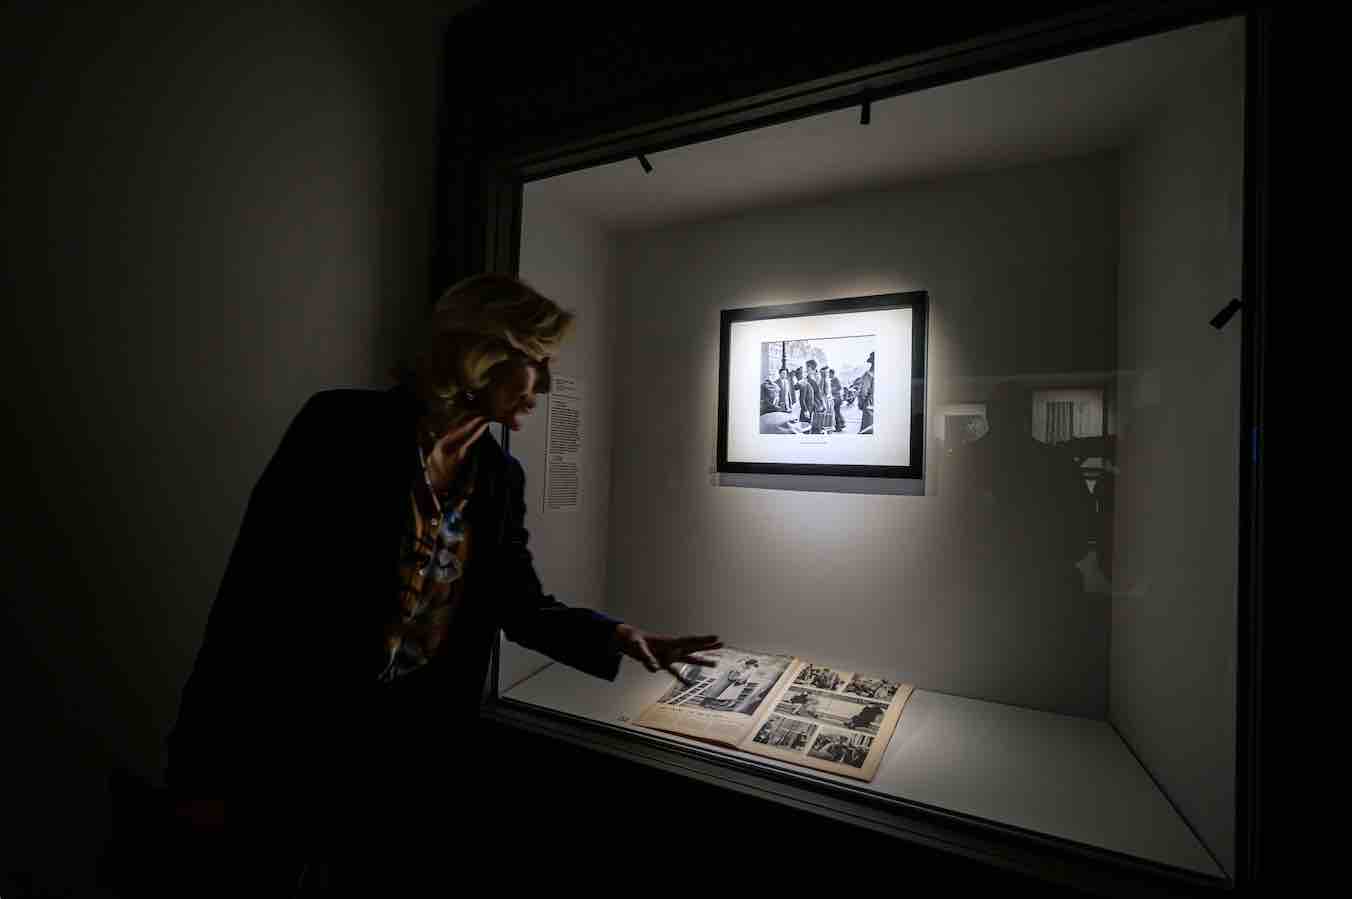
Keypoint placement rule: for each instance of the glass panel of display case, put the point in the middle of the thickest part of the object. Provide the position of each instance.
(1059, 600)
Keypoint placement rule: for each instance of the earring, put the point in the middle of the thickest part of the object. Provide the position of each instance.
(469, 395)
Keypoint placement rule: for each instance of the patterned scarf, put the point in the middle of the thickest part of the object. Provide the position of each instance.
(434, 553)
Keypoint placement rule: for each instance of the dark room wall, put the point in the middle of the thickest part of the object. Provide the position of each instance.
(210, 214)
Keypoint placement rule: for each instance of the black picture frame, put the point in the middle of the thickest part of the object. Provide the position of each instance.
(915, 300)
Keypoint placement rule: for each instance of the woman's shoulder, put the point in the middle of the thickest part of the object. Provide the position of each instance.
(362, 402)
(363, 415)
(345, 398)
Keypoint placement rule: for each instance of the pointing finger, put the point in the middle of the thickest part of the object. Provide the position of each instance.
(649, 660)
(690, 643)
(472, 425)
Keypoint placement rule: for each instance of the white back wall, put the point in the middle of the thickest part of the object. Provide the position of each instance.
(1172, 692)
(953, 591)
(571, 262)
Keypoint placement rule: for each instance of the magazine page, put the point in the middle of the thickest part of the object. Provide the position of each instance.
(829, 719)
(724, 702)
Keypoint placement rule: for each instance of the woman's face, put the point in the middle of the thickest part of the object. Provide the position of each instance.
(510, 395)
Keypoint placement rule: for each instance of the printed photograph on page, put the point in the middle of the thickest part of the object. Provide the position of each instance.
(721, 701)
(832, 720)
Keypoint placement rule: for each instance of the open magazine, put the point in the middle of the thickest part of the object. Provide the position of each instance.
(785, 708)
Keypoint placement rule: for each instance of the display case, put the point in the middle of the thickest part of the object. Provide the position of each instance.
(1063, 576)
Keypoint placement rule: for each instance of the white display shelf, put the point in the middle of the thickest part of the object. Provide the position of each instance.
(1059, 775)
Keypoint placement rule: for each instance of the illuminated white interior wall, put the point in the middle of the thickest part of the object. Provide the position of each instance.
(571, 262)
(1021, 269)
(1172, 687)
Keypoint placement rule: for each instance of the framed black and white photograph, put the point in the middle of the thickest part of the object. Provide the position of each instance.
(830, 387)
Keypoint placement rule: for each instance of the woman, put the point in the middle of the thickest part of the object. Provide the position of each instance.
(381, 551)
(810, 396)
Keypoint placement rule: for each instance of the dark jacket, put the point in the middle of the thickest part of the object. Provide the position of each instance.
(812, 396)
(282, 714)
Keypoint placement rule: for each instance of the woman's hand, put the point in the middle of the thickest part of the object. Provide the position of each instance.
(451, 448)
(657, 652)
(455, 443)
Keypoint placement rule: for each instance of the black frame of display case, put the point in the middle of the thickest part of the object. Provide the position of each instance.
(480, 230)
(915, 300)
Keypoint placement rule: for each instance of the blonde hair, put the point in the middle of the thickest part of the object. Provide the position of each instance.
(477, 324)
